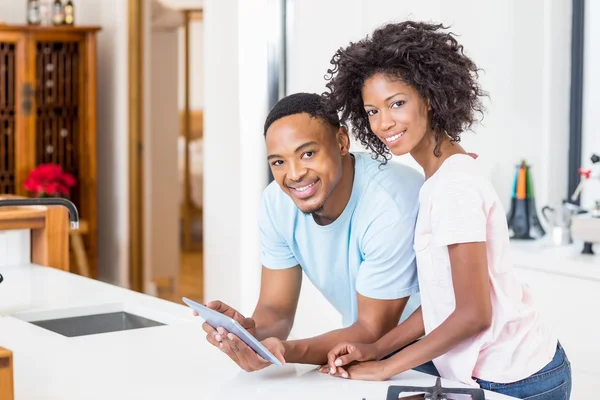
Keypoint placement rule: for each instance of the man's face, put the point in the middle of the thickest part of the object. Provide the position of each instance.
(305, 156)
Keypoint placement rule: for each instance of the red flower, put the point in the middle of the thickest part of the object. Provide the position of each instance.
(49, 180)
(68, 179)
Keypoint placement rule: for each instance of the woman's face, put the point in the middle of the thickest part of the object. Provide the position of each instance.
(398, 115)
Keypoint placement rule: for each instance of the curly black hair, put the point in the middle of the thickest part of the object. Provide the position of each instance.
(421, 55)
(298, 103)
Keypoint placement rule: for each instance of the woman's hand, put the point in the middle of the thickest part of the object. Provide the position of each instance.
(364, 371)
(369, 371)
(346, 353)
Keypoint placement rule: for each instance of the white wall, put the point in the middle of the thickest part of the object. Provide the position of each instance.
(12, 13)
(591, 99)
(113, 142)
(112, 95)
(526, 72)
(524, 48)
(235, 168)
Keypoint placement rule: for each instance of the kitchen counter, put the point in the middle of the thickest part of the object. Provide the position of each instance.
(172, 361)
(542, 256)
(566, 288)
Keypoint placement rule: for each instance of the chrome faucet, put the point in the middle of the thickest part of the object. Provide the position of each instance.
(46, 201)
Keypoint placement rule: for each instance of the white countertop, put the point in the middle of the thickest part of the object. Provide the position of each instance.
(567, 260)
(166, 362)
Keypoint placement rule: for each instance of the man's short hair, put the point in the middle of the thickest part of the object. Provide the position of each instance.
(299, 103)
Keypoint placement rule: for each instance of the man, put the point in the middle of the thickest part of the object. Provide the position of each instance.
(344, 219)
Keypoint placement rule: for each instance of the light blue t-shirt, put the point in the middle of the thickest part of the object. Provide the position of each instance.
(368, 249)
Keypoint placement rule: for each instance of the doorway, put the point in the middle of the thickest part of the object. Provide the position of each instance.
(190, 153)
(165, 119)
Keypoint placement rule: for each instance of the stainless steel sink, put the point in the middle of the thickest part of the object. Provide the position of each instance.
(94, 319)
(94, 324)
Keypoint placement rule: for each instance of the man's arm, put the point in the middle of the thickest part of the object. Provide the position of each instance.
(276, 309)
(375, 319)
(281, 277)
(386, 279)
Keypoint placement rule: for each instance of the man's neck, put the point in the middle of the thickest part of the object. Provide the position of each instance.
(339, 198)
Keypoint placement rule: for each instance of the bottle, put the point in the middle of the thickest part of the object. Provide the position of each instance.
(45, 12)
(69, 13)
(33, 12)
(58, 16)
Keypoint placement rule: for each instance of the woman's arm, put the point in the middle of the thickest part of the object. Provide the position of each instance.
(375, 318)
(346, 352)
(404, 334)
(472, 315)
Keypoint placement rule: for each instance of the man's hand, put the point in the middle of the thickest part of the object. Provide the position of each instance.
(231, 345)
(216, 338)
(247, 358)
(346, 353)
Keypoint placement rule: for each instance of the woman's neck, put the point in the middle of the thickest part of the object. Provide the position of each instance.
(423, 153)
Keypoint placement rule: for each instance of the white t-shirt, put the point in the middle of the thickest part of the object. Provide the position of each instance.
(459, 205)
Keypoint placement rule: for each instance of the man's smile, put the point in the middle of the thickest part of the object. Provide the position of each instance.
(304, 189)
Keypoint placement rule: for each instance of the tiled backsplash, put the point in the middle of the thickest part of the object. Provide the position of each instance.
(15, 247)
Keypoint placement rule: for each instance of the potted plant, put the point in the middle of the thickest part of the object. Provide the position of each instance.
(49, 180)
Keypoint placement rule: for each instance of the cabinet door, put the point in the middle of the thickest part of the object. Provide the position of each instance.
(57, 127)
(12, 103)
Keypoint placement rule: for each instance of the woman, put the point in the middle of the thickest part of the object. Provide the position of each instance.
(409, 89)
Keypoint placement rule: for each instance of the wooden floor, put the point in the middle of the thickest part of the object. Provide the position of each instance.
(191, 270)
(190, 280)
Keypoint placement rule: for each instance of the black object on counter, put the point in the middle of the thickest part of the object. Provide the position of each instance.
(436, 392)
(588, 248)
(522, 218)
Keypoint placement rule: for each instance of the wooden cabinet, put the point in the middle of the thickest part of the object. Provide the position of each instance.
(48, 112)
(6, 375)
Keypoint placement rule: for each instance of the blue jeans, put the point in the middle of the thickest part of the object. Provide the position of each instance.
(553, 382)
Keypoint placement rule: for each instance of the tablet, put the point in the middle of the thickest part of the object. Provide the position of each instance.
(216, 319)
